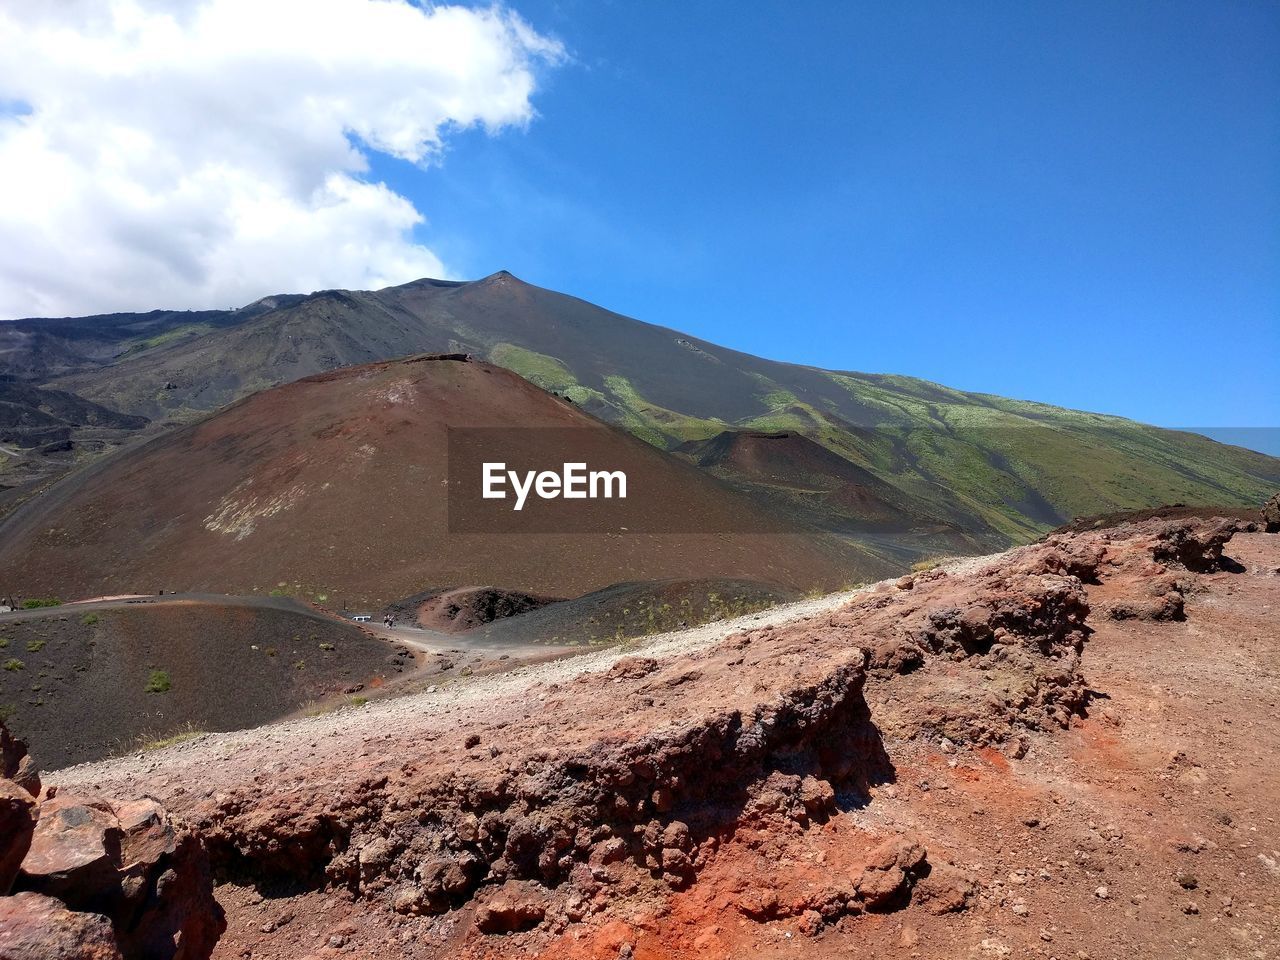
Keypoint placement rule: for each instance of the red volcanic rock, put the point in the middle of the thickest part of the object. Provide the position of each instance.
(131, 864)
(16, 764)
(35, 927)
(891, 871)
(516, 905)
(97, 880)
(1271, 514)
(73, 854)
(17, 823)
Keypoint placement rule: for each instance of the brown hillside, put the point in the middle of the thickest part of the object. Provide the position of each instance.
(789, 461)
(78, 680)
(335, 487)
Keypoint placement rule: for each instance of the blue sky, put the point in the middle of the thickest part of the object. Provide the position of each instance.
(1075, 203)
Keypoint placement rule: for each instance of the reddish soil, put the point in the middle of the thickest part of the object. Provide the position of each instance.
(336, 487)
(1070, 750)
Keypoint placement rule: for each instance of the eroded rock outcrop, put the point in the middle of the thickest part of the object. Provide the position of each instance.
(632, 779)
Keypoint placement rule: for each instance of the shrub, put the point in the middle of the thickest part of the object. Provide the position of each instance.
(89, 619)
(158, 682)
(7, 712)
(927, 564)
(13, 664)
(34, 603)
(35, 646)
(185, 733)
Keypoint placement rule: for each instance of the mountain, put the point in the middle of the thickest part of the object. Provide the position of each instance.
(338, 488)
(44, 432)
(999, 470)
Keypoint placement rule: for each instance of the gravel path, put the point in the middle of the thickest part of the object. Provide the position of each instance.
(217, 758)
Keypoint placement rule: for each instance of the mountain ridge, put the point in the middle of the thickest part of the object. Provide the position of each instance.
(1004, 470)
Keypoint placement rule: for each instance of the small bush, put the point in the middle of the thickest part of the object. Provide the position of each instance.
(158, 682)
(188, 732)
(35, 603)
(927, 564)
(300, 665)
(4, 642)
(13, 665)
(7, 712)
(326, 646)
(359, 701)
(89, 619)
(35, 646)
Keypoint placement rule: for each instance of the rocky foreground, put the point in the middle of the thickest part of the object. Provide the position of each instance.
(1068, 750)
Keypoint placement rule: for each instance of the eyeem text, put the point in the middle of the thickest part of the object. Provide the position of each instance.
(573, 482)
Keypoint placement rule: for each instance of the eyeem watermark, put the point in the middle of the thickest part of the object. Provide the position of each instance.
(592, 479)
(573, 482)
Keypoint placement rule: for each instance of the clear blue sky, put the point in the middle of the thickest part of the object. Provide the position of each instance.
(1077, 203)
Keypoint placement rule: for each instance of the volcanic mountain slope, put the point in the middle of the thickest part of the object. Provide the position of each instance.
(1003, 470)
(82, 682)
(45, 431)
(336, 487)
(1067, 750)
(799, 477)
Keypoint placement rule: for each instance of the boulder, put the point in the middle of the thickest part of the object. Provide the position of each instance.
(73, 855)
(36, 927)
(17, 823)
(516, 905)
(131, 864)
(15, 764)
(1271, 514)
(891, 870)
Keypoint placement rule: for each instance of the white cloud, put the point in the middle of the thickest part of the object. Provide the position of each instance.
(203, 153)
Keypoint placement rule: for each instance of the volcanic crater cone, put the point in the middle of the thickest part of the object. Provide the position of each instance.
(337, 487)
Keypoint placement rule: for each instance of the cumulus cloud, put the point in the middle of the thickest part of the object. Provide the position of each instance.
(204, 153)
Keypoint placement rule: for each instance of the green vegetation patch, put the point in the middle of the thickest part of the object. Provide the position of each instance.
(158, 682)
(36, 603)
(547, 372)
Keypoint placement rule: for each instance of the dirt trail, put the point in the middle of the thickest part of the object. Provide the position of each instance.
(222, 757)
